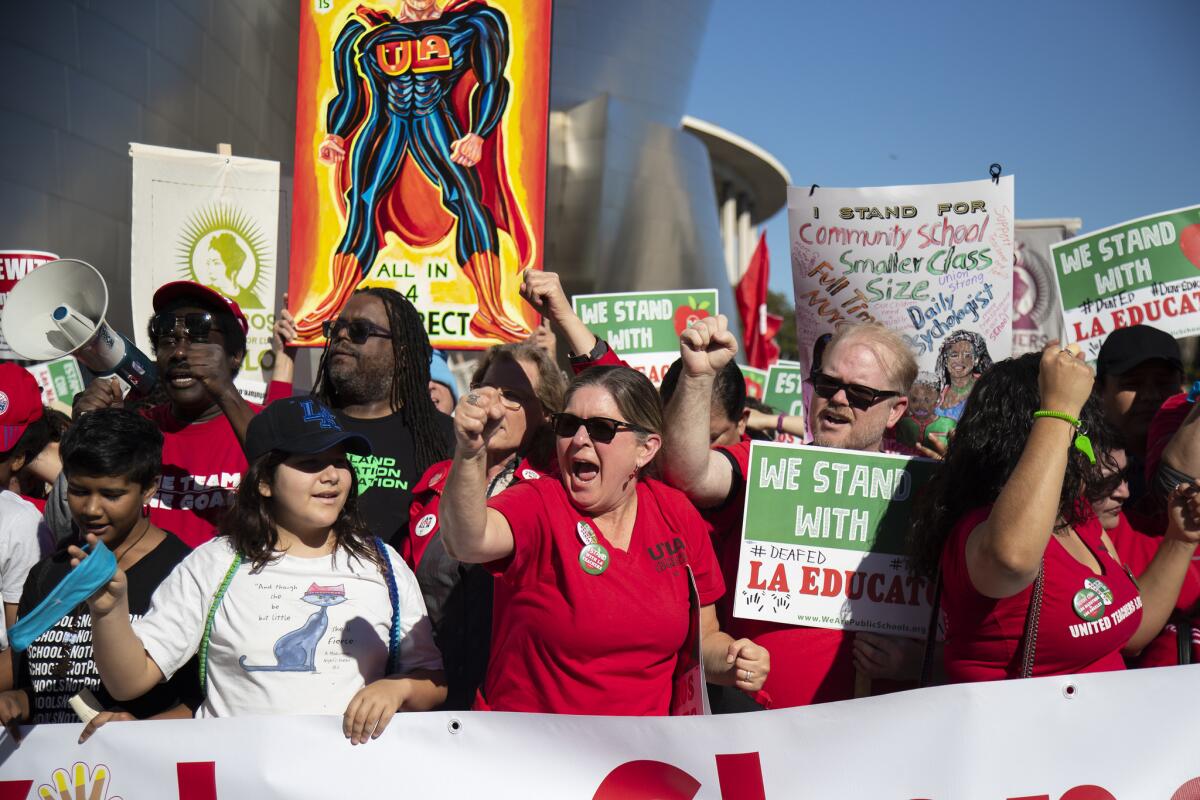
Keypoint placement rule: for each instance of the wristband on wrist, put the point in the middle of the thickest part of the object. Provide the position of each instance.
(1082, 443)
(779, 424)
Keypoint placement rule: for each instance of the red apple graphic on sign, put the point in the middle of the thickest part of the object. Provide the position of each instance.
(1189, 243)
(686, 315)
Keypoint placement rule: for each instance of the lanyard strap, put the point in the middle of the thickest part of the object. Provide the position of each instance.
(389, 575)
(208, 621)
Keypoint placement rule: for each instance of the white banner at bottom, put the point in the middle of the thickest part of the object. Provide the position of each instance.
(1116, 736)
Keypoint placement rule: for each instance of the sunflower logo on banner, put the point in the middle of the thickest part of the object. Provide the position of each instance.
(223, 248)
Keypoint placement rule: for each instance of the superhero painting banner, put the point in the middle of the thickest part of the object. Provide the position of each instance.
(644, 327)
(1146, 271)
(14, 265)
(932, 262)
(212, 219)
(823, 540)
(1035, 739)
(421, 130)
(1036, 310)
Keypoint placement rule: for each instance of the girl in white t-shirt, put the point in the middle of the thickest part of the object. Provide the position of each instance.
(296, 608)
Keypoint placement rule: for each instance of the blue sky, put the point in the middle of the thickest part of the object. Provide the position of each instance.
(1093, 106)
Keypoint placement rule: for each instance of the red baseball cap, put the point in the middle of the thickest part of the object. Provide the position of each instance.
(20, 404)
(169, 291)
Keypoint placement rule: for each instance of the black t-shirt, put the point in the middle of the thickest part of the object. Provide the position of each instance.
(58, 664)
(387, 476)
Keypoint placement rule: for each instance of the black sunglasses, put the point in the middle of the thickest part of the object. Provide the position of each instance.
(599, 429)
(358, 330)
(197, 325)
(857, 395)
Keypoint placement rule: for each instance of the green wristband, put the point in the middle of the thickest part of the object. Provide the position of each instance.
(1082, 443)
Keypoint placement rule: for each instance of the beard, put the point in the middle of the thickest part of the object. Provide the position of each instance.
(357, 381)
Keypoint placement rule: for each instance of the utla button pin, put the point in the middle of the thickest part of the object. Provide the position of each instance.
(594, 559)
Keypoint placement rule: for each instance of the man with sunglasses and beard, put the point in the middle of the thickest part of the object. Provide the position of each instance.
(199, 340)
(860, 391)
(374, 375)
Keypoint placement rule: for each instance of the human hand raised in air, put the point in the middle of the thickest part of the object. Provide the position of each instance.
(476, 417)
(706, 346)
(1064, 379)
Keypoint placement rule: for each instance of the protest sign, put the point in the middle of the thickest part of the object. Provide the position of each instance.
(1143, 271)
(60, 380)
(1034, 739)
(643, 327)
(212, 219)
(823, 540)
(927, 261)
(421, 163)
(1037, 311)
(756, 381)
(784, 389)
(14, 265)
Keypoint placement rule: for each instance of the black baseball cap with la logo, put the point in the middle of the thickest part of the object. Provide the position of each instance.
(300, 425)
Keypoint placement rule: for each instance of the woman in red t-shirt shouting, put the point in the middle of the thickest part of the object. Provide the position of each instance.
(1031, 583)
(592, 595)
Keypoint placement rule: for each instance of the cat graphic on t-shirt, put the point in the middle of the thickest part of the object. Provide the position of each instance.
(296, 650)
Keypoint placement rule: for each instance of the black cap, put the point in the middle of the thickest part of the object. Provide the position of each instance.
(297, 425)
(1127, 348)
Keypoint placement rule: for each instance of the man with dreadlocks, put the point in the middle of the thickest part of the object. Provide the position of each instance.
(374, 374)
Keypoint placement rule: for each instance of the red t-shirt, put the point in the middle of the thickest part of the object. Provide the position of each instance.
(423, 518)
(202, 467)
(1137, 550)
(983, 635)
(567, 642)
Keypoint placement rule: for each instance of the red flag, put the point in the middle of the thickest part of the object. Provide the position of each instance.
(758, 326)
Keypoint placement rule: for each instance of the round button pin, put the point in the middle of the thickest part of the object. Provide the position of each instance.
(1101, 588)
(425, 525)
(594, 559)
(1088, 605)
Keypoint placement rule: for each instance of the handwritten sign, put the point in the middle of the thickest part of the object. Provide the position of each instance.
(927, 261)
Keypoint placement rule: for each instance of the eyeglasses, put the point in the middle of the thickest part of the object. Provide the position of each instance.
(511, 398)
(599, 429)
(857, 395)
(358, 330)
(197, 326)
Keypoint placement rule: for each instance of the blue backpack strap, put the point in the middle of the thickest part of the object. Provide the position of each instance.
(389, 575)
(212, 613)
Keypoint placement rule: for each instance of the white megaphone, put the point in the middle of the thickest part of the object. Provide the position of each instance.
(58, 309)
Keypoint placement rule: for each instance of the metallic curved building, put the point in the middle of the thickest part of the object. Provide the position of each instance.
(632, 196)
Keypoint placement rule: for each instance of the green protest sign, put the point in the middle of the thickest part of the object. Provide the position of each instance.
(60, 381)
(643, 327)
(1143, 271)
(784, 389)
(823, 540)
(756, 381)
